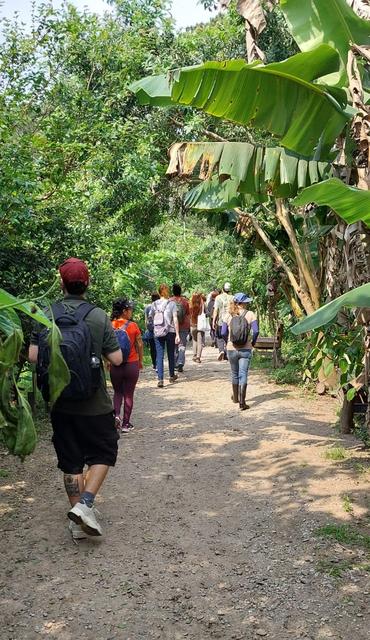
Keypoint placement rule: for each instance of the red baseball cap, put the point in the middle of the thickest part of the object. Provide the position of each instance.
(74, 270)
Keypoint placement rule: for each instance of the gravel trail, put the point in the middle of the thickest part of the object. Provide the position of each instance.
(209, 519)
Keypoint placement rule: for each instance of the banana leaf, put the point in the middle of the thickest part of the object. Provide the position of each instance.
(26, 436)
(280, 98)
(7, 302)
(212, 195)
(332, 22)
(10, 348)
(59, 375)
(9, 321)
(350, 203)
(359, 297)
(253, 169)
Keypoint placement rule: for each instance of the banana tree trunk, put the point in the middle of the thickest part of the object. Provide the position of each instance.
(367, 374)
(283, 215)
(302, 295)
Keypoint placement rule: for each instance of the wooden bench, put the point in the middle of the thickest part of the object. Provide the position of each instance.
(273, 344)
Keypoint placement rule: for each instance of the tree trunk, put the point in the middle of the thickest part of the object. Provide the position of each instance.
(346, 416)
(283, 215)
(302, 295)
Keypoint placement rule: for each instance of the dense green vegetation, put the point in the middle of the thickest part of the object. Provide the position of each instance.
(83, 163)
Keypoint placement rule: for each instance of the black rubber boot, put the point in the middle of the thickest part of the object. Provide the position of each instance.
(235, 396)
(242, 393)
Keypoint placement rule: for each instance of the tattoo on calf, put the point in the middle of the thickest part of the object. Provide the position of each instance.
(71, 485)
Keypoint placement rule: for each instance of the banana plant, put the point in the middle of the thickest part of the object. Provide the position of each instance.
(281, 97)
(359, 297)
(350, 203)
(303, 101)
(253, 169)
(17, 429)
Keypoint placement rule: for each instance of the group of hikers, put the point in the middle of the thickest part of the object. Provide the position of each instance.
(86, 427)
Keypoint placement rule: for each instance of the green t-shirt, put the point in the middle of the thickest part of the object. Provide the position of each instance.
(222, 302)
(104, 342)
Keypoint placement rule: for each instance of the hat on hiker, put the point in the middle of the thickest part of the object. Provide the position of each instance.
(242, 298)
(227, 286)
(74, 270)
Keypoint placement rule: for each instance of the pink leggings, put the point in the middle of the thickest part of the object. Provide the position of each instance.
(124, 379)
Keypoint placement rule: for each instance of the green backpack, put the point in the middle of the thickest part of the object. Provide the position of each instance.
(180, 311)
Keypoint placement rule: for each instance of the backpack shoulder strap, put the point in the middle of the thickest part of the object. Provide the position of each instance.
(83, 310)
(57, 310)
(79, 313)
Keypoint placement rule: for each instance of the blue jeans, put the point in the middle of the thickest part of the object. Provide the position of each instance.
(180, 348)
(240, 360)
(160, 344)
(221, 342)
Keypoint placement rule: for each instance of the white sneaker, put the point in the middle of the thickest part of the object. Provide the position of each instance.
(85, 516)
(76, 531)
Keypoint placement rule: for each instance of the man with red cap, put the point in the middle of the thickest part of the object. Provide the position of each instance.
(84, 430)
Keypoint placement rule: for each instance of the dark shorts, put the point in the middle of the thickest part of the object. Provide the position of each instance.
(84, 440)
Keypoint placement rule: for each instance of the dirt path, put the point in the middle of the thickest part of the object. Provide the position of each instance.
(209, 521)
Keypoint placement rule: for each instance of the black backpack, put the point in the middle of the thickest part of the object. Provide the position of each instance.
(239, 330)
(76, 348)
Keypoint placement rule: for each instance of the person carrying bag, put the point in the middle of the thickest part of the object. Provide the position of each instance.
(243, 333)
(198, 325)
(166, 332)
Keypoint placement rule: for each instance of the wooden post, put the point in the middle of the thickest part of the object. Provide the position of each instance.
(367, 372)
(277, 359)
(346, 416)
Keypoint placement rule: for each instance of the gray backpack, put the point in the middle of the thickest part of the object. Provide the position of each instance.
(159, 322)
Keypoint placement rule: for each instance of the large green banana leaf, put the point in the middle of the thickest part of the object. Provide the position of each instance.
(254, 169)
(313, 22)
(280, 98)
(213, 195)
(8, 302)
(349, 203)
(359, 297)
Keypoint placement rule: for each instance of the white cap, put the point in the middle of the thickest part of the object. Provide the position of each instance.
(227, 286)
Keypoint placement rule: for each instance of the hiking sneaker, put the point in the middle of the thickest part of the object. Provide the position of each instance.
(85, 516)
(160, 384)
(76, 531)
(173, 378)
(125, 428)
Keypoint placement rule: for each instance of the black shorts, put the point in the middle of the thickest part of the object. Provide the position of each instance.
(84, 440)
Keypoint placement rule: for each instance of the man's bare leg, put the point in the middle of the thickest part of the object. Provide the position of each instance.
(95, 477)
(74, 486)
(82, 512)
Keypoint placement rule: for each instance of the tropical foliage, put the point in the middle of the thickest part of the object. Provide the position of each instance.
(352, 204)
(17, 429)
(290, 100)
(83, 162)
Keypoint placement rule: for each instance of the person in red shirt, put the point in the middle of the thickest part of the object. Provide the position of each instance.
(125, 376)
(183, 315)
